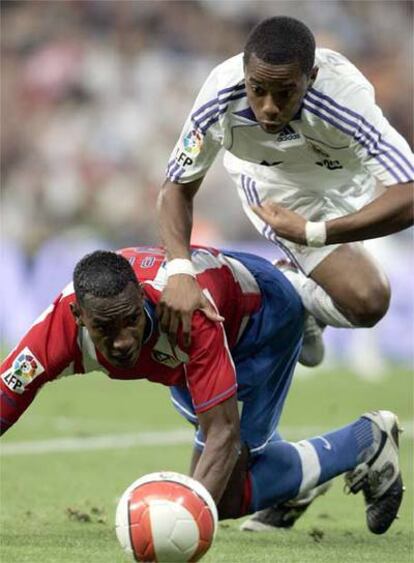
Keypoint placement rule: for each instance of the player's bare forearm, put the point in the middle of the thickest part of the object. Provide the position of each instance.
(391, 212)
(175, 217)
(182, 295)
(221, 427)
(216, 465)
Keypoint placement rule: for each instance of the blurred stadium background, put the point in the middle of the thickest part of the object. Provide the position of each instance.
(94, 95)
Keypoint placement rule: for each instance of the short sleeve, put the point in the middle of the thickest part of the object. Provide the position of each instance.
(47, 349)
(380, 149)
(210, 373)
(383, 151)
(201, 137)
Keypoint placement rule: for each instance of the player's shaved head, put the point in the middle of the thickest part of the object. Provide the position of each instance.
(110, 304)
(102, 274)
(282, 40)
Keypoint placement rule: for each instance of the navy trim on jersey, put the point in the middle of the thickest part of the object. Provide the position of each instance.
(216, 101)
(252, 196)
(149, 311)
(216, 117)
(174, 171)
(270, 235)
(375, 131)
(246, 113)
(363, 137)
(249, 188)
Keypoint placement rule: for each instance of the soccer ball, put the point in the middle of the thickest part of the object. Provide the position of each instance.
(164, 517)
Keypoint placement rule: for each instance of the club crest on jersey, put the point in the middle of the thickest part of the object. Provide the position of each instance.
(193, 142)
(26, 367)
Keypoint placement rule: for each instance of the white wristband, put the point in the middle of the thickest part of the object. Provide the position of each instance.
(180, 266)
(315, 232)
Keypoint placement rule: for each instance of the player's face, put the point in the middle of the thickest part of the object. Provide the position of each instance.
(115, 324)
(275, 92)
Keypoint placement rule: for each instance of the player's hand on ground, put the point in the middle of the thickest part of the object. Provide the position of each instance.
(181, 297)
(286, 223)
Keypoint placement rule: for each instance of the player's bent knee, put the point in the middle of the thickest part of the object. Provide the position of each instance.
(370, 304)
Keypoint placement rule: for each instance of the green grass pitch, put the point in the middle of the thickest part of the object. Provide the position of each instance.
(58, 506)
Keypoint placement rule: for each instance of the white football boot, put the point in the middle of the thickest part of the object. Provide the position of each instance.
(313, 348)
(379, 478)
(285, 514)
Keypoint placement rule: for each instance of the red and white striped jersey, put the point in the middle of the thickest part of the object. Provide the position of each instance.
(55, 343)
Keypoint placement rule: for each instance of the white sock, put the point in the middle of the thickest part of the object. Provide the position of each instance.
(317, 301)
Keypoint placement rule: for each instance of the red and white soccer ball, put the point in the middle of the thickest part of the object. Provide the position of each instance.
(166, 516)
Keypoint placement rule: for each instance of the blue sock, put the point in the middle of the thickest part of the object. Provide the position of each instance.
(287, 469)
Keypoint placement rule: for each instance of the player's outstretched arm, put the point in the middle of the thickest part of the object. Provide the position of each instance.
(391, 212)
(182, 294)
(46, 350)
(221, 427)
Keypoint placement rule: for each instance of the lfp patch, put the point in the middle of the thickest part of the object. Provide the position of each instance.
(23, 371)
(193, 142)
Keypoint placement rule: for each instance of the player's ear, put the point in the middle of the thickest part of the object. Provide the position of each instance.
(313, 75)
(76, 312)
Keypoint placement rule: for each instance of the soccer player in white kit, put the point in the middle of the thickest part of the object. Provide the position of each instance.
(305, 144)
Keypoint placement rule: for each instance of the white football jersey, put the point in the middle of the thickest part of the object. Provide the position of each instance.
(338, 142)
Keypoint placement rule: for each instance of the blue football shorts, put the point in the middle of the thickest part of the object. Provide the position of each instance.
(265, 358)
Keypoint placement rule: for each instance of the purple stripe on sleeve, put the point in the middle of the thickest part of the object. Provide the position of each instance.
(207, 125)
(198, 122)
(214, 101)
(178, 174)
(351, 133)
(255, 193)
(173, 170)
(361, 136)
(372, 144)
(217, 397)
(369, 126)
(249, 182)
(170, 165)
(244, 186)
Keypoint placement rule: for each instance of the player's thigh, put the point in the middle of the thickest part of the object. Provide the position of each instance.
(354, 280)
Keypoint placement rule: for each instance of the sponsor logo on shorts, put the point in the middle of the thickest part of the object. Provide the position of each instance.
(26, 367)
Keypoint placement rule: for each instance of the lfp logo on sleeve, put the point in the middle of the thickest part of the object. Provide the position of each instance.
(193, 142)
(26, 367)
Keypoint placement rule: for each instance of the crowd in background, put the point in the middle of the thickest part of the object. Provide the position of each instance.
(95, 92)
(94, 95)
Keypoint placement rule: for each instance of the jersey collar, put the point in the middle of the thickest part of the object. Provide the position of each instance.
(248, 114)
(151, 320)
